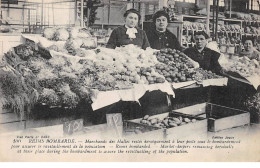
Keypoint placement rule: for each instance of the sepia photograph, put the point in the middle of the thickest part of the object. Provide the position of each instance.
(129, 81)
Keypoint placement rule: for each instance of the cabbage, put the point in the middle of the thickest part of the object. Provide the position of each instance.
(69, 98)
(62, 34)
(49, 97)
(49, 33)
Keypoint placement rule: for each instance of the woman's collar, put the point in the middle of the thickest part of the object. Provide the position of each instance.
(129, 27)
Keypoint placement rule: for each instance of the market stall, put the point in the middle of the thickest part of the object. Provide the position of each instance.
(63, 74)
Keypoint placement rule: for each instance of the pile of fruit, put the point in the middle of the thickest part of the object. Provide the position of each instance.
(243, 66)
(167, 122)
(200, 74)
(252, 104)
(71, 41)
(176, 67)
(132, 64)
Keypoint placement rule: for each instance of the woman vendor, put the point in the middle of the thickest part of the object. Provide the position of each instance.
(159, 36)
(207, 58)
(249, 50)
(129, 33)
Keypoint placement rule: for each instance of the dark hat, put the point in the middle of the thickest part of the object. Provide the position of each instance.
(245, 38)
(159, 14)
(132, 11)
(203, 33)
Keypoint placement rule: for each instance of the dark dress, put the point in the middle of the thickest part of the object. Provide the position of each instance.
(159, 40)
(119, 38)
(207, 59)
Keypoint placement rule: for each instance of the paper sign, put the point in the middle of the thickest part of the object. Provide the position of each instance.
(114, 119)
(73, 126)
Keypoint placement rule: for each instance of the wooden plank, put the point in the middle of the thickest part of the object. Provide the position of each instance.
(197, 128)
(193, 110)
(8, 118)
(4, 110)
(217, 111)
(229, 122)
(47, 122)
(14, 126)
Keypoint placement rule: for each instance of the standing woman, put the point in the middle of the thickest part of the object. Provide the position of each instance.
(129, 33)
(159, 36)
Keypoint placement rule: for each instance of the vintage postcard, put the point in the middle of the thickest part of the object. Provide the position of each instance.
(129, 81)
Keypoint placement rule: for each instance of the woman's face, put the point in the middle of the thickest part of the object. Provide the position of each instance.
(161, 23)
(248, 45)
(131, 20)
(201, 41)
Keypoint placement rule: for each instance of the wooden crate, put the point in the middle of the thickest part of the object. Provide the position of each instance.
(221, 117)
(9, 121)
(198, 127)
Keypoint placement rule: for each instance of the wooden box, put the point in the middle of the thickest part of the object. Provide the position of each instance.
(9, 121)
(135, 128)
(221, 117)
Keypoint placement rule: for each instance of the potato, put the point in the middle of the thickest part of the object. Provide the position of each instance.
(149, 69)
(180, 118)
(179, 75)
(187, 120)
(173, 74)
(169, 79)
(159, 120)
(146, 117)
(165, 122)
(176, 120)
(176, 55)
(150, 78)
(137, 131)
(160, 80)
(175, 80)
(148, 74)
(127, 78)
(173, 124)
(157, 125)
(153, 121)
(132, 79)
(183, 123)
(183, 79)
(145, 121)
(161, 124)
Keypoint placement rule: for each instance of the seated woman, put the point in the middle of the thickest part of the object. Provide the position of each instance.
(207, 58)
(129, 33)
(159, 36)
(249, 50)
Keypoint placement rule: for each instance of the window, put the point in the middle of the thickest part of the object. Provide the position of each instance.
(255, 4)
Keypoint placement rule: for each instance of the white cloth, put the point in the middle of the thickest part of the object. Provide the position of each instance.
(131, 32)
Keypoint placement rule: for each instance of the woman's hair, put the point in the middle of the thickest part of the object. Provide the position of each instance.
(244, 39)
(203, 33)
(132, 11)
(159, 14)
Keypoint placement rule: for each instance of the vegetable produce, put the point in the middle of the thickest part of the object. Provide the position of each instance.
(16, 91)
(167, 122)
(176, 67)
(243, 66)
(61, 35)
(252, 104)
(49, 33)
